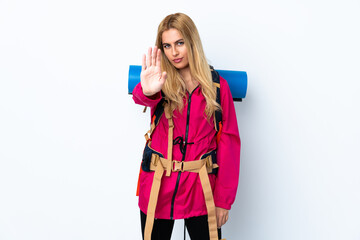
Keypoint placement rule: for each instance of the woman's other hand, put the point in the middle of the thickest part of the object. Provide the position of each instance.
(222, 215)
(151, 77)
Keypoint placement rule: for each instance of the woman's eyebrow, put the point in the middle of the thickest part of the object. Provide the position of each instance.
(175, 41)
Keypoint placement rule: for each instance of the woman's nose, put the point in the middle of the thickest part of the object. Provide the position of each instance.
(174, 51)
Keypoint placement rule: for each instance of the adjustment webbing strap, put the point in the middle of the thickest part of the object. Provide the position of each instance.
(149, 133)
(209, 200)
(168, 115)
(154, 193)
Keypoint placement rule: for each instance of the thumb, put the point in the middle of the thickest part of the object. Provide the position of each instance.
(163, 77)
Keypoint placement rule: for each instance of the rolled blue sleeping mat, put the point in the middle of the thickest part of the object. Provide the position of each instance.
(237, 81)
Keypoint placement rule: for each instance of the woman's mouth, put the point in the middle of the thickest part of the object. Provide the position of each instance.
(177, 60)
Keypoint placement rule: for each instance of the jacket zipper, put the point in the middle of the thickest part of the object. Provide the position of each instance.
(183, 157)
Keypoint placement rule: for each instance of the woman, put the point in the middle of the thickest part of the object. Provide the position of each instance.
(177, 79)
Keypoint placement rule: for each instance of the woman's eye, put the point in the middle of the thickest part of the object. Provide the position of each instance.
(166, 46)
(180, 43)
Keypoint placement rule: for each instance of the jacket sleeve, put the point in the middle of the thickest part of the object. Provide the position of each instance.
(228, 152)
(140, 98)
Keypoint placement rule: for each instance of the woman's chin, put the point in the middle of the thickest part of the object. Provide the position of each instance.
(180, 66)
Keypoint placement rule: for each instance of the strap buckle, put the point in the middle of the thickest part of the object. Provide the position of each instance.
(209, 163)
(147, 136)
(155, 159)
(178, 166)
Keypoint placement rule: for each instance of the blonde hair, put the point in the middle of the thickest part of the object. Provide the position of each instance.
(174, 87)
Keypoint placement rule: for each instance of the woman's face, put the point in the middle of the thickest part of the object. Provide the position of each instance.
(175, 49)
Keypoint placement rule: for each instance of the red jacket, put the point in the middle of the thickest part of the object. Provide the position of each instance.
(182, 196)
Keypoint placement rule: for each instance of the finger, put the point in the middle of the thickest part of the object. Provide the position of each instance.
(223, 221)
(153, 60)
(226, 217)
(158, 58)
(143, 65)
(218, 221)
(148, 60)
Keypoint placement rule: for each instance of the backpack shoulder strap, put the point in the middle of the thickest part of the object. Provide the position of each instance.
(218, 114)
(155, 118)
(159, 110)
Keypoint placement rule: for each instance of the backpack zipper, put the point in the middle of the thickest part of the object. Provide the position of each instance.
(183, 158)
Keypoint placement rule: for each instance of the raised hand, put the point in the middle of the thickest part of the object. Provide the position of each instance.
(151, 77)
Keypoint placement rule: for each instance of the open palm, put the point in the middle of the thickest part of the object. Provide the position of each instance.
(152, 79)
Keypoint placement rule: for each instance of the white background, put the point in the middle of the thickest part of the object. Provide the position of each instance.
(71, 137)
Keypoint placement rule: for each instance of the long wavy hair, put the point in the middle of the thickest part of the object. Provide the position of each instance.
(174, 87)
